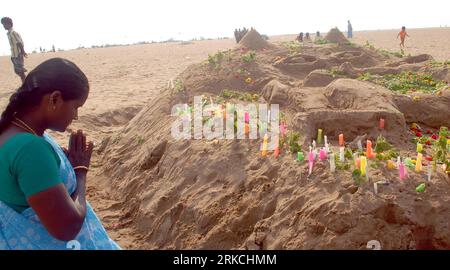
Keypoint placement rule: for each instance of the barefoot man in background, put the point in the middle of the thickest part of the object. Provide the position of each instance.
(17, 49)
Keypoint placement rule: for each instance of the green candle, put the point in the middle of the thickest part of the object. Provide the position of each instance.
(300, 156)
(319, 136)
(421, 188)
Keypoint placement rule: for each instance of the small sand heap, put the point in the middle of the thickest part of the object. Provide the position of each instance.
(253, 40)
(336, 36)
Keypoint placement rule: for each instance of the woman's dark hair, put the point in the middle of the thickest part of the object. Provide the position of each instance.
(55, 74)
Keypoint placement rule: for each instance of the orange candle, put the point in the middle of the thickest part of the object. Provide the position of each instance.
(369, 149)
(341, 139)
(276, 152)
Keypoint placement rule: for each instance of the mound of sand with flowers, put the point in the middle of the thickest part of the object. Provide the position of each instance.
(224, 194)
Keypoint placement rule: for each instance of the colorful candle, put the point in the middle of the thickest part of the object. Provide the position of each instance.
(360, 146)
(322, 154)
(264, 148)
(402, 171)
(276, 151)
(247, 129)
(355, 158)
(390, 165)
(341, 154)
(358, 163)
(283, 129)
(419, 148)
(419, 162)
(363, 165)
(369, 149)
(246, 117)
(341, 140)
(319, 136)
(381, 123)
(421, 188)
(332, 163)
(300, 156)
(311, 162)
(326, 143)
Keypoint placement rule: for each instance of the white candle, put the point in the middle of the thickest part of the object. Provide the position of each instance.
(341, 154)
(360, 146)
(332, 163)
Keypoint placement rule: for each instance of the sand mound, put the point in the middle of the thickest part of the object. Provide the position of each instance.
(319, 78)
(254, 41)
(203, 194)
(336, 36)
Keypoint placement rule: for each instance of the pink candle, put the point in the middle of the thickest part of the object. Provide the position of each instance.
(283, 129)
(247, 117)
(322, 154)
(402, 171)
(311, 161)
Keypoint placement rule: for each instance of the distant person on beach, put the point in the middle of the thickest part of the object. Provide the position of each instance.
(349, 30)
(307, 37)
(43, 187)
(318, 37)
(402, 34)
(17, 48)
(300, 37)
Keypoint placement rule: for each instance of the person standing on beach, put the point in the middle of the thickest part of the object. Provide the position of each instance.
(17, 48)
(402, 36)
(349, 30)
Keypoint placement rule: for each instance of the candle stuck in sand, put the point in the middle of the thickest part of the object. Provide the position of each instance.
(341, 140)
(300, 156)
(419, 163)
(332, 163)
(382, 123)
(319, 136)
(419, 148)
(322, 154)
(341, 154)
(369, 153)
(264, 147)
(363, 166)
(311, 162)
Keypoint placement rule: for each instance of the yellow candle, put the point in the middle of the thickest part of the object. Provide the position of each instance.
(419, 163)
(419, 148)
(390, 164)
(264, 148)
(363, 165)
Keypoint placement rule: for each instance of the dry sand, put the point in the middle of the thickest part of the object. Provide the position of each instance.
(211, 213)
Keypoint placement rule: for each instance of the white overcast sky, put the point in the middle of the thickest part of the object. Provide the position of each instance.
(71, 23)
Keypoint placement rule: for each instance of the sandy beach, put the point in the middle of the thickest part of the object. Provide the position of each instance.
(126, 85)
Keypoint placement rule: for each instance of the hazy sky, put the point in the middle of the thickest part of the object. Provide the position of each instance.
(71, 23)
